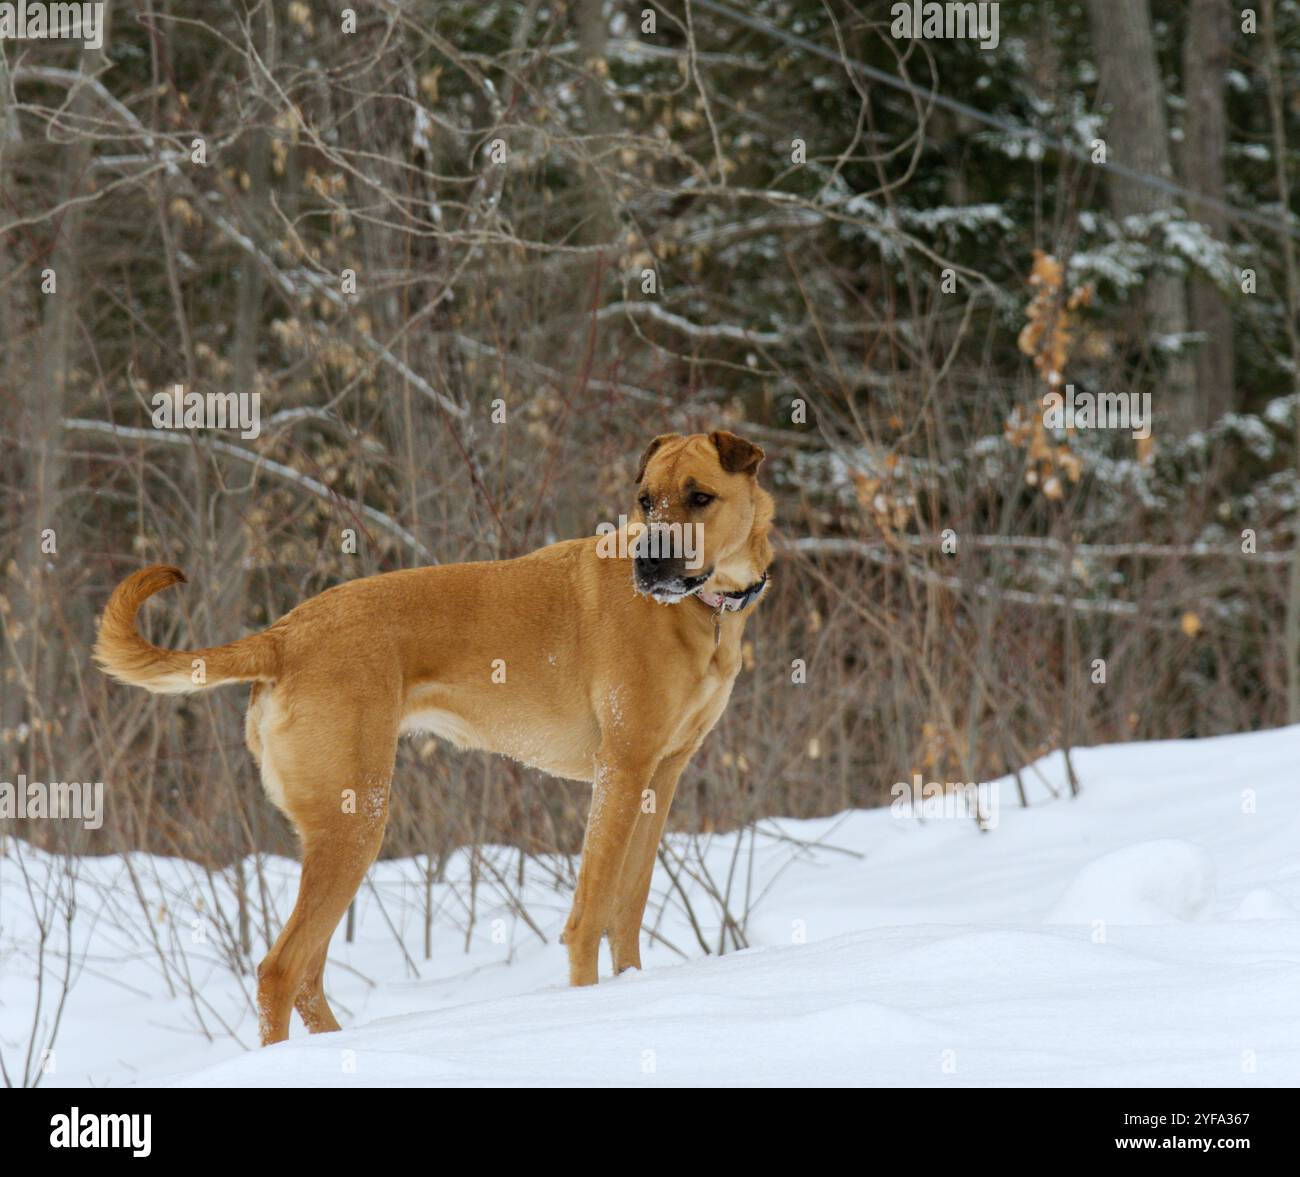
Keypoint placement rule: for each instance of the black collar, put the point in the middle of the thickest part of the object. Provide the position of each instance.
(734, 602)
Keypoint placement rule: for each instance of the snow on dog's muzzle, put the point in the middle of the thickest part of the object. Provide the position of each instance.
(666, 578)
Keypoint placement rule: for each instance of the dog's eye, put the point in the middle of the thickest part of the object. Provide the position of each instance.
(646, 502)
(701, 499)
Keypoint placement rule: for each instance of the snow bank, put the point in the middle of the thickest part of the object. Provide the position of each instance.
(1150, 883)
(883, 949)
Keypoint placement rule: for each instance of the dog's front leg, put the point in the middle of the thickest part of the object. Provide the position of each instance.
(615, 803)
(638, 867)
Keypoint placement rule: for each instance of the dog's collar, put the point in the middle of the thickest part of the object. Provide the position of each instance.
(734, 602)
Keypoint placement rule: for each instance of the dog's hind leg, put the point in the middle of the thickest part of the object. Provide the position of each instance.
(334, 861)
(310, 1003)
(337, 797)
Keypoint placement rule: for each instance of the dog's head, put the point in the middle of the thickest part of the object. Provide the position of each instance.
(706, 517)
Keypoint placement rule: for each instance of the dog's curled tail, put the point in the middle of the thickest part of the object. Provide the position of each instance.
(127, 657)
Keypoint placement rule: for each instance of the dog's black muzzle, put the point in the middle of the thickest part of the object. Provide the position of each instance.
(666, 577)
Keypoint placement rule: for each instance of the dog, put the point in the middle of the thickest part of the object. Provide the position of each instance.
(588, 665)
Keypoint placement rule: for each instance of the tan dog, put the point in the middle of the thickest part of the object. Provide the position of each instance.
(572, 660)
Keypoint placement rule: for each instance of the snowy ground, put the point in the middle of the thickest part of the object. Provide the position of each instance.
(1147, 932)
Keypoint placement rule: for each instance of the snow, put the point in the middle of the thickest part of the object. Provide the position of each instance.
(1146, 932)
(1150, 883)
(1264, 904)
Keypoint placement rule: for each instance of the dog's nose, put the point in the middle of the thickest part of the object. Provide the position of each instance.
(650, 566)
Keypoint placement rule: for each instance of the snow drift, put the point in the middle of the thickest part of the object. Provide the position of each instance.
(1145, 932)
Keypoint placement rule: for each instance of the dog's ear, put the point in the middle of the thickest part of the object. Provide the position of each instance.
(737, 455)
(650, 450)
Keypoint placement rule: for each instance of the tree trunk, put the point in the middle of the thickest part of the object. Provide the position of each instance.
(1205, 60)
(15, 370)
(593, 37)
(43, 393)
(1137, 136)
(1291, 264)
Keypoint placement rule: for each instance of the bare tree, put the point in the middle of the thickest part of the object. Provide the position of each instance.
(1137, 136)
(1206, 46)
(1291, 639)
